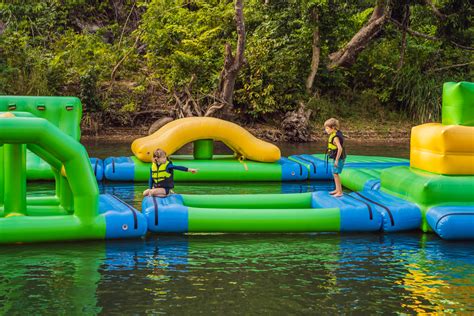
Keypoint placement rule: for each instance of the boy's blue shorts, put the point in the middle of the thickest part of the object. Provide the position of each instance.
(340, 166)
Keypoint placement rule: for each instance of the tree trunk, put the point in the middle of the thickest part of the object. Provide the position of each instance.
(316, 53)
(232, 64)
(347, 55)
(405, 22)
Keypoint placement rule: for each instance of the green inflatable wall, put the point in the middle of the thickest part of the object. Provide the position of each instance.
(211, 170)
(268, 213)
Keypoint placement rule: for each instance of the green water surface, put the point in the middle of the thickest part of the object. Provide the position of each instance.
(238, 274)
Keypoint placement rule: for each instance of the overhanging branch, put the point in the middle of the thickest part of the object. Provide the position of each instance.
(426, 36)
(347, 55)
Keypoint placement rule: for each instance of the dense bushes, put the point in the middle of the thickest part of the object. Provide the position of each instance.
(117, 55)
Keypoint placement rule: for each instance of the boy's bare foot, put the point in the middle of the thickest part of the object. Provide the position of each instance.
(333, 192)
(338, 194)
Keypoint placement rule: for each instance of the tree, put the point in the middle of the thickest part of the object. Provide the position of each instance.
(232, 64)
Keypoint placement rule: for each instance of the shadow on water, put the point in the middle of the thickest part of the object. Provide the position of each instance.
(367, 273)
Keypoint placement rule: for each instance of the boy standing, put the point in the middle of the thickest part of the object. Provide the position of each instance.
(336, 152)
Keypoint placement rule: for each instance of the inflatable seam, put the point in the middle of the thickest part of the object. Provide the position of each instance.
(445, 215)
(135, 219)
(312, 163)
(374, 185)
(392, 222)
(95, 167)
(155, 206)
(371, 216)
(443, 153)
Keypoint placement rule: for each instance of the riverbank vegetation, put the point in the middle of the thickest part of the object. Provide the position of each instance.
(288, 64)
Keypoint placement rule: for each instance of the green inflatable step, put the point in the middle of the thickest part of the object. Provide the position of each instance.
(356, 179)
(458, 103)
(427, 189)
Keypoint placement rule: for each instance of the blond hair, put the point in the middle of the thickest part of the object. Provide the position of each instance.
(159, 153)
(332, 123)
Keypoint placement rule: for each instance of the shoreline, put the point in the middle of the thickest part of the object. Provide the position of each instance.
(396, 135)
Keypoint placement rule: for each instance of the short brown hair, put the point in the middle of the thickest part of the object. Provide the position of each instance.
(159, 153)
(332, 123)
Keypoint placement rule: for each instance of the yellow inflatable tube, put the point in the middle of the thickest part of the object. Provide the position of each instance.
(178, 133)
(443, 149)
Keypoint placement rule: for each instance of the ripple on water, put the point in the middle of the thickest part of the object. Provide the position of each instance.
(402, 273)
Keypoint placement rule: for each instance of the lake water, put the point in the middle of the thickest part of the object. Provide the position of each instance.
(239, 274)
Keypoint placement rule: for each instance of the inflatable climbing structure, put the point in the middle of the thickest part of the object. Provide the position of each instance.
(435, 192)
(63, 112)
(76, 211)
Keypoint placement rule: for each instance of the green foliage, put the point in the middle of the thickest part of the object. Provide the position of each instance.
(273, 79)
(44, 54)
(72, 47)
(75, 55)
(186, 39)
(415, 88)
(88, 90)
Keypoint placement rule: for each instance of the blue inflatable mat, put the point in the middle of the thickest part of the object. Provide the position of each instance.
(166, 215)
(292, 171)
(98, 168)
(122, 220)
(356, 215)
(452, 222)
(119, 169)
(316, 168)
(373, 184)
(319, 169)
(397, 214)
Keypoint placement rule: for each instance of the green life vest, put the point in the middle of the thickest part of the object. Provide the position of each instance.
(161, 177)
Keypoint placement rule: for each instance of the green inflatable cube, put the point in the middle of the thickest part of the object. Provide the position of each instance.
(458, 103)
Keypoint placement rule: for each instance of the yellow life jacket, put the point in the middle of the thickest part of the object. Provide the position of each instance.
(331, 145)
(160, 176)
(332, 148)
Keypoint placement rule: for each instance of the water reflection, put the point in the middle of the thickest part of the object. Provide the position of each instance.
(402, 273)
(51, 278)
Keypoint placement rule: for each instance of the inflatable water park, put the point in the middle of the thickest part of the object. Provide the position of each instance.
(39, 140)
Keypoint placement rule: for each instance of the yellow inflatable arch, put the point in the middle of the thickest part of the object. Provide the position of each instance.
(178, 133)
